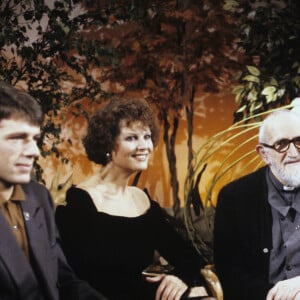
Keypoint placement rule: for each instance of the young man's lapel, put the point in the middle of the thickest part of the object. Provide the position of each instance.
(14, 259)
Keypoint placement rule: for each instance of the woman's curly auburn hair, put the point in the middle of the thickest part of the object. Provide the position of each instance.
(104, 126)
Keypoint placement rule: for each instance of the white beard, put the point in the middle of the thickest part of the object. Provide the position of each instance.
(288, 174)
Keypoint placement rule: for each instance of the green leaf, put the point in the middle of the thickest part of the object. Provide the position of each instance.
(252, 96)
(271, 97)
(273, 81)
(269, 90)
(253, 70)
(296, 80)
(230, 5)
(241, 109)
(251, 78)
(255, 106)
(238, 89)
(238, 98)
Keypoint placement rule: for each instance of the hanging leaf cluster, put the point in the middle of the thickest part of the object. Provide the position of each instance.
(36, 43)
(270, 37)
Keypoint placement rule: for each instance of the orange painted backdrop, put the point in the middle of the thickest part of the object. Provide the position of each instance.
(213, 113)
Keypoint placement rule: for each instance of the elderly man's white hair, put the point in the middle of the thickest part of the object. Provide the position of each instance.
(296, 105)
(264, 133)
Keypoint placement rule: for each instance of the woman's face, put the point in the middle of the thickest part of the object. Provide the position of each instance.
(133, 147)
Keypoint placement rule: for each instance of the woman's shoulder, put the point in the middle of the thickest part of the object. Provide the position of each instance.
(148, 203)
(77, 192)
(85, 187)
(136, 191)
(87, 184)
(77, 198)
(141, 200)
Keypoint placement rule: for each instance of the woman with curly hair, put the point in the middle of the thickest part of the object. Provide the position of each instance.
(111, 230)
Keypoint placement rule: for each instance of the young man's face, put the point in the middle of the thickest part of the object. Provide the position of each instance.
(18, 149)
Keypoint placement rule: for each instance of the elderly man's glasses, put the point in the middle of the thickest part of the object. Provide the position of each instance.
(284, 144)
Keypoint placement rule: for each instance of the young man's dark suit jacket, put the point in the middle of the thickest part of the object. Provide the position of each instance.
(17, 280)
(243, 238)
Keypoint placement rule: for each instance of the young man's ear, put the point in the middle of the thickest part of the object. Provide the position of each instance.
(260, 149)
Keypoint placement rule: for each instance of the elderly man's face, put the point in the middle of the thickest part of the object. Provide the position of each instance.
(286, 165)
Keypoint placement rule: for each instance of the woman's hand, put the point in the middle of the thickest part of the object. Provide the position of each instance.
(170, 288)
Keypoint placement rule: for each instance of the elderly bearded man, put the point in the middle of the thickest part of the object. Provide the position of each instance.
(257, 224)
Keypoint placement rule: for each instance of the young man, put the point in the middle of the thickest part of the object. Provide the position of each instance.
(257, 225)
(32, 265)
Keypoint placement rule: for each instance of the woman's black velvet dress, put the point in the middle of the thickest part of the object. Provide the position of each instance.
(110, 252)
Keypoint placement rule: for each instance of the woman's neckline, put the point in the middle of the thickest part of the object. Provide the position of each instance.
(142, 214)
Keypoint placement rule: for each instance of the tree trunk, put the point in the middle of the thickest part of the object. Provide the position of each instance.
(189, 110)
(171, 155)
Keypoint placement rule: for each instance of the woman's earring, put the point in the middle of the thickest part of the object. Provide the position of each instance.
(107, 156)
